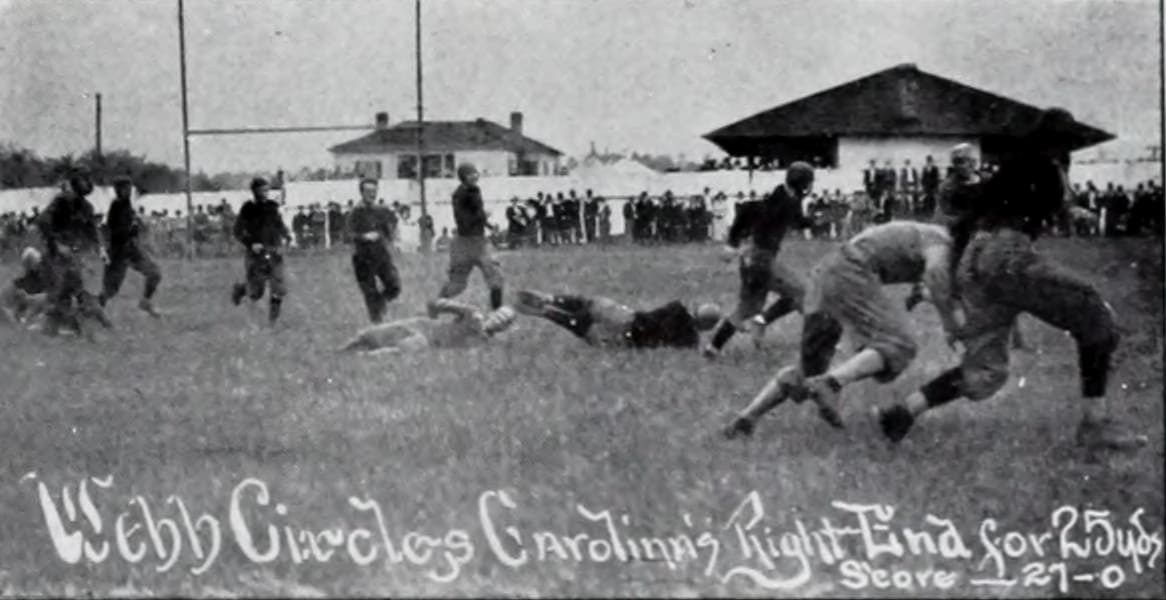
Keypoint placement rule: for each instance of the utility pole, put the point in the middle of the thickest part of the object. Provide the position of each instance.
(185, 131)
(97, 129)
(420, 117)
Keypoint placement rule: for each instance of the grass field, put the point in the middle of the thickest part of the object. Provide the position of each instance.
(191, 406)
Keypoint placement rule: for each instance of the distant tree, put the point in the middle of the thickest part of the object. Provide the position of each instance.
(201, 182)
(20, 167)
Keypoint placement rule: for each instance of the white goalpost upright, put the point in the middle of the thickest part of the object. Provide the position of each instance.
(187, 132)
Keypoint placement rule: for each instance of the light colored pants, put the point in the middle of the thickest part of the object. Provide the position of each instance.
(851, 293)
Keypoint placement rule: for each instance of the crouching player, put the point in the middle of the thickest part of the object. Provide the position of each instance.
(604, 322)
(846, 294)
(469, 327)
(27, 296)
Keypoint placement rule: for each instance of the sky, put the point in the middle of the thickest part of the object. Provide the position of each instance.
(645, 75)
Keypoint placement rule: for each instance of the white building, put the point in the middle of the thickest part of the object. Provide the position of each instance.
(390, 152)
(899, 114)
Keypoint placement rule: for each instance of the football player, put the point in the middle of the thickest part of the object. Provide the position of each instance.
(604, 322)
(1001, 274)
(469, 327)
(27, 296)
(846, 294)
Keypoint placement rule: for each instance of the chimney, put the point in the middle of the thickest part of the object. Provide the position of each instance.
(382, 120)
(516, 122)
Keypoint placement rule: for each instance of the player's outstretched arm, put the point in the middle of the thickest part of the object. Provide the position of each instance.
(449, 306)
(937, 280)
(406, 345)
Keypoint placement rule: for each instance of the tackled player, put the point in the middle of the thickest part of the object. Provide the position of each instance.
(604, 322)
(469, 327)
(1001, 275)
(846, 293)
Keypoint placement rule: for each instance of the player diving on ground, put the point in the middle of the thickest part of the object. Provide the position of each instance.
(604, 322)
(468, 327)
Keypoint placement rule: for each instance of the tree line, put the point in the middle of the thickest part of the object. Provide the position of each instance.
(23, 168)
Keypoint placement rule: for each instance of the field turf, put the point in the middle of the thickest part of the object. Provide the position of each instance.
(186, 409)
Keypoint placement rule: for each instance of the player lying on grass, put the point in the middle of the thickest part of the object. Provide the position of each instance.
(469, 327)
(604, 322)
(1001, 275)
(846, 294)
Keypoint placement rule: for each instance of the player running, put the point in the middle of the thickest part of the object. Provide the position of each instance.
(470, 247)
(469, 327)
(126, 251)
(846, 294)
(1001, 275)
(371, 228)
(763, 225)
(262, 232)
(606, 323)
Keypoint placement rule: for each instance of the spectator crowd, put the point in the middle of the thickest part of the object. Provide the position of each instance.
(558, 219)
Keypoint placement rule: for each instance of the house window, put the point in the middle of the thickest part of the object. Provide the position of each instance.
(406, 166)
(435, 165)
(369, 168)
(523, 166)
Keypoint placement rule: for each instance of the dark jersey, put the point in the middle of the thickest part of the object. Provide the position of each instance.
(953, 209)
(469, 214)
(69, 221)
(670, 325)
(765, 222)
(33, 282)
(122, 224)
(261, 223)
(1024, 194)
(364, 219)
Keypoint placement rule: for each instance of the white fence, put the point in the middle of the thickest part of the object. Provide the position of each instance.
(497, 191)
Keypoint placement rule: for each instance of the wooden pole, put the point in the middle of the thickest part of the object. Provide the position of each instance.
(420, 117)
(97, 127)
(185, 131)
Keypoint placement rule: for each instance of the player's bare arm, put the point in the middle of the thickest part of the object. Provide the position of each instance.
(937, 280)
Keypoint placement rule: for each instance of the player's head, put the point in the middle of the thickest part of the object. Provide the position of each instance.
(800, 178)
(963, 159)
(1054, 134)
(467, 173)
(260, 188)
(80, 182)
(707, 316)
(498, 320)
(123, 186)
(30, 258)
(368, 190)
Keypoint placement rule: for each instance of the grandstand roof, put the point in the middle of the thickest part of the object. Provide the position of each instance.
(899, 101)
(444, 136)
